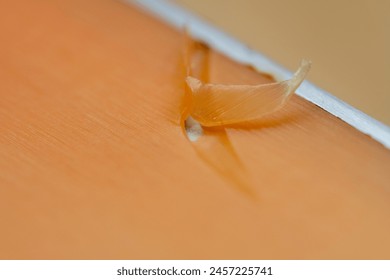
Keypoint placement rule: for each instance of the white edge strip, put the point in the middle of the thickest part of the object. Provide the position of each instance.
(229, 46)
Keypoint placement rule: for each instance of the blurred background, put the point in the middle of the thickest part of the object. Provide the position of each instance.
(348, 42)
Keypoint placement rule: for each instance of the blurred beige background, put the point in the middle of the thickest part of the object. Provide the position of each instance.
(348, 42)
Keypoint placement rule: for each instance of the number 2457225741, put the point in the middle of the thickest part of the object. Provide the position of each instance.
(237, 270)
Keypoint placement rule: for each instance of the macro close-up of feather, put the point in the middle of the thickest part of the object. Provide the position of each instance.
(194, 130)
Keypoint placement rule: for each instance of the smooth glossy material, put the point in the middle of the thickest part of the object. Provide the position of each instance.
(94, 163)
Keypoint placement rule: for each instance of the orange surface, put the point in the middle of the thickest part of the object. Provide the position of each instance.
(94, 163)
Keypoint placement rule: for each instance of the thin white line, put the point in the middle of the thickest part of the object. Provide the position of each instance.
(220, 41)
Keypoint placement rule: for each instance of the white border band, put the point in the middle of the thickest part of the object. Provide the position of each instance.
(227, 45)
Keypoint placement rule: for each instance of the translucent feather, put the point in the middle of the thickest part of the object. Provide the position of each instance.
(216, 104)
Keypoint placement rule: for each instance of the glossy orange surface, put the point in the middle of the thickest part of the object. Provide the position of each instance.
(94, 163)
